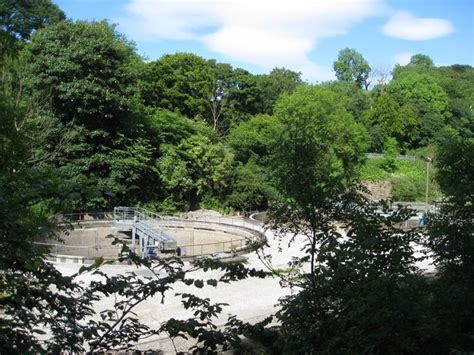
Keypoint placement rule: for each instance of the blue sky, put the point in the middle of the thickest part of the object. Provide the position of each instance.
(302, 35)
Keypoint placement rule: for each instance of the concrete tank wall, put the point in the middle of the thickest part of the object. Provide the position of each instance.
(89, 240)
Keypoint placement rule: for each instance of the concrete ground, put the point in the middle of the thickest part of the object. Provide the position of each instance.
(250, 300)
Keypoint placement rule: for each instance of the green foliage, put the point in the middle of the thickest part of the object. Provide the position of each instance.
(167, 127)
(386, 119)
(82, 68)
(180, 82)
(44, 311)
(279, 82)
(457, 82)
(238, 95)
(194, 168)
(81, 112)
(82, 72)
(363, 294)
(35, 296)
(355, 100)
(450, 236)
(250, 189)
(406, 189)
(391, 151)
(255, 138)
(12, 141)
(423, 93)
(218, 103)
(352, 67)
(455, 166)
(212, 92)
(244, 96)
(21, 18)
(252, 143)
(319, 147)
(421, 60)
(373, 171)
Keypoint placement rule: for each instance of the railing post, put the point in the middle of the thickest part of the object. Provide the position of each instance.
(134, 232)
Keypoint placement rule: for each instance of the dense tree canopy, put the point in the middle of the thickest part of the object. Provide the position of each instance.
(81, 71)
(87, 124)
(387, 119)
(181, 82)
(319, 142)
(427, 97)
(255, 138)
(20, 18)
(280, 81)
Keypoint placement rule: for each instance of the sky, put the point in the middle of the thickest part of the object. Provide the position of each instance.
(301, 35)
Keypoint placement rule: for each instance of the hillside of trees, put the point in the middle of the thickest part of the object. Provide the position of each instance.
(87, 124)
(183, 132)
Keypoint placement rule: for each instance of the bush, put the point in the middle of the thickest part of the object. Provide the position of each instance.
(388, 164)
(406, 189)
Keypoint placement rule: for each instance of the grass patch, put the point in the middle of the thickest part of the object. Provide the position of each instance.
(407, 176)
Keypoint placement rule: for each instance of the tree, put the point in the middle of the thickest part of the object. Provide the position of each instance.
(21, 18)
(182, 82)
(457, 81)
(421, 60)
(252, 142)
(83, 67)
(355, 101)
(219, 96)
(255, 138)
(313, 162)
(84, 70)
(319, 141)
(250, 189)
(244, 96)
(386, 119)
(12, 145)
(450, 239)
(44, 311)
(280, 81)
(455, 164)
(363, 294)
(431, 102)
(355, 290)
(193, 169)
(171, 128)
(352, 67)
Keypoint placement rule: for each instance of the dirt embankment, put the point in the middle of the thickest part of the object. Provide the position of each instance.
(378, 190)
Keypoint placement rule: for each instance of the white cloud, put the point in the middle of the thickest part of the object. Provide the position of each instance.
(266, 33)
(404, 25)
(402, 58)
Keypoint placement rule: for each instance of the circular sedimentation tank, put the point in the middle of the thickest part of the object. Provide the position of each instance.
(91, 238)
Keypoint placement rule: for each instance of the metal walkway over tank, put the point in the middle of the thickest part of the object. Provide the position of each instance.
(145, 225)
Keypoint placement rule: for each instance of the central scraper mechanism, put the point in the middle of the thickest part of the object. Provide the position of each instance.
(146, 226)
